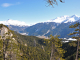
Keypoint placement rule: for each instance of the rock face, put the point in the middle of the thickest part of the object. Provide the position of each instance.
(3, 30)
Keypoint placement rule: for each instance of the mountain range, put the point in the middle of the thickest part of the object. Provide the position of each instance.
(57, 26)
(65, 19)
(13, 22)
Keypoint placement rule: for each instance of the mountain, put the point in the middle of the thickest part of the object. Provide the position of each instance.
(16, 28)
(14, 46)
(65, 19)
(57, 26)
(13, 22)
(40, 28)
(15, 25)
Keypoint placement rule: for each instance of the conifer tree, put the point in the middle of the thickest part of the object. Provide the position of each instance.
(1, 49)
(77, 37)
(56, 50)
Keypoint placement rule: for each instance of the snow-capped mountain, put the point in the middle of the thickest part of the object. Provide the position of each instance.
(15, 25)
(57, 26)
(13, 22)
(65, 19)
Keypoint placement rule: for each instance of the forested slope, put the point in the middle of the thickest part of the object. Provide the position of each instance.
(21, 47)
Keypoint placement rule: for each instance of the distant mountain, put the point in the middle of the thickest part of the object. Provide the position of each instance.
(58, 26)
(15, 25)
(65, 19)
(41, 28)
(13, 22)
(19, 29)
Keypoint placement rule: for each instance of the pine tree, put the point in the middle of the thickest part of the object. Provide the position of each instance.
(56, 50)
(77, 37)
(1, 49)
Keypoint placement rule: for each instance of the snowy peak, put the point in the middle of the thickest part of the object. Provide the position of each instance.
(72, 18)
(75, 15)
(65, 19)
(13, 22)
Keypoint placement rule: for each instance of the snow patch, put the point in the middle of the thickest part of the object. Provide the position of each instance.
(46, 32)
(23, 34)
(72, 39)
(53, 27)
(37, 30)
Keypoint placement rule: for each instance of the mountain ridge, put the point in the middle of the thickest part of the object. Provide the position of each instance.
(49, 28)
(53, 28)
(14, 22)
(61, 19)
(65, 19)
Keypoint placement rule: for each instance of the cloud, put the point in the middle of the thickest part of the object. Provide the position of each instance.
(8, 4)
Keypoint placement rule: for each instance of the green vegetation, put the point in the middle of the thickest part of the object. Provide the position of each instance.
(1, 25)
(21, 47)
(55, 46)
(76, 37)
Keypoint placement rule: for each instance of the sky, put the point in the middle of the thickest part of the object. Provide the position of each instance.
(35, 11)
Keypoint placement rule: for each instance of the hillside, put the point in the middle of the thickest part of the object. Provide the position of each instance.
(50, 28)
(14, 46)
(22, 47)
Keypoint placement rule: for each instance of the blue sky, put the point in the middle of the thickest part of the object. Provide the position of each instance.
(34, 11)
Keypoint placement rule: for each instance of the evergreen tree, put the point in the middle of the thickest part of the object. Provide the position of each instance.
(1, 49)
(55, 46)
(77, 37)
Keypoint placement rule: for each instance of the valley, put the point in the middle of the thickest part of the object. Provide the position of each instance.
(34, 42)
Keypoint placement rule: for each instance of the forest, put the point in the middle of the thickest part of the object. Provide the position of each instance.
(21, 47)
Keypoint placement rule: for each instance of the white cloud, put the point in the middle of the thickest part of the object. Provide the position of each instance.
(8, 4)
